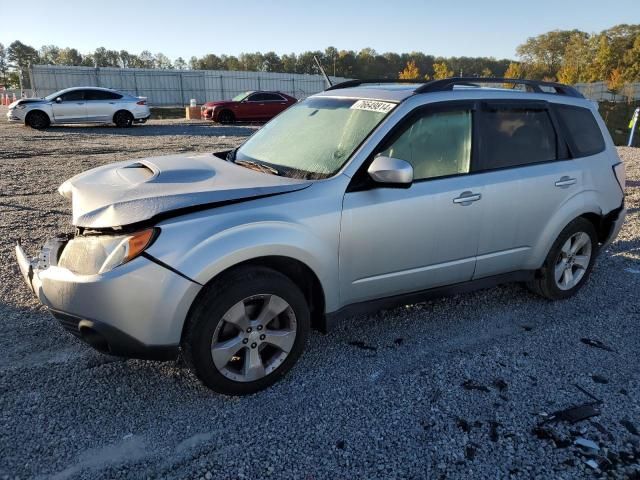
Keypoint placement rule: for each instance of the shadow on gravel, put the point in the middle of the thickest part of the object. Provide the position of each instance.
(153, 130)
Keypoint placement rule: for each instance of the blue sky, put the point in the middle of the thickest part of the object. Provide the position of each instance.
(188, 27)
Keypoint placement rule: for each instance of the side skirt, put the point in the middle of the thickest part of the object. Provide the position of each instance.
(369, 306)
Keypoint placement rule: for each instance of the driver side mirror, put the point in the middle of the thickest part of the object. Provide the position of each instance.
(391, 171)
(59, 100)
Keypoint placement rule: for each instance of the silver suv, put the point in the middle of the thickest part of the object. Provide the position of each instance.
(362, 197)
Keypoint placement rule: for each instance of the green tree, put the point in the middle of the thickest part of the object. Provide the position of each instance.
(180, 64)
(542, 56)
(162, 61)
(4, 65)
(21, 55)
(69, 56)
(631, 61)
(49, 54)
(271, 62)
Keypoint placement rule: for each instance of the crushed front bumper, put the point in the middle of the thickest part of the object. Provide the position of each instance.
(12, 117)
(135, 310)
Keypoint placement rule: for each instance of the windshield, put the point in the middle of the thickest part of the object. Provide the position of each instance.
(242, 96)
(314, 138)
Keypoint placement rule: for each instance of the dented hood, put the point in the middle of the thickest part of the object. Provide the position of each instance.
(129, 192)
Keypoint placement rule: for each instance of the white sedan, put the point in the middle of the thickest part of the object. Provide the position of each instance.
(80, 105)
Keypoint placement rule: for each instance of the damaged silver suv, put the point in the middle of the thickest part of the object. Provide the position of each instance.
(364, 196)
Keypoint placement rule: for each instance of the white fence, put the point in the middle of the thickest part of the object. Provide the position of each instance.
(173, 87)
(599, 91)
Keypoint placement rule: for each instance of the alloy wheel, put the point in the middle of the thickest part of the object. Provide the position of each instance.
(254, 337)
(573, 261)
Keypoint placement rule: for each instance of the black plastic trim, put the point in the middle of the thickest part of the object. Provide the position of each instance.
(108, 339)
(362, 308)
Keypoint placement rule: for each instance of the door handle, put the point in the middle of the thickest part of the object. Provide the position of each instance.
(80, 103)
(112, 103)
(565, 181)
(467, 198)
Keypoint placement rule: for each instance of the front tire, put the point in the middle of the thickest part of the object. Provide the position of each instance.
(226, 116)
(569, 262)
(123, 119)
(37, 120)
(246, 331)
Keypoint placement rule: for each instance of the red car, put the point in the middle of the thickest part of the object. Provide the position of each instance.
(248, 106)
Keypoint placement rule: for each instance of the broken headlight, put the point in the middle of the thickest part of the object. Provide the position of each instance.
(92, 254)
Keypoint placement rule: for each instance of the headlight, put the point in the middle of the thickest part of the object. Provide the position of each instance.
(88, 255)
(20, 106)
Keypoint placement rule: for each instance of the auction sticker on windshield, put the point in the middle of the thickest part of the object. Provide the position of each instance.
(373, 106)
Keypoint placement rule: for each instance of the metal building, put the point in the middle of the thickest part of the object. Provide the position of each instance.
(173, 87)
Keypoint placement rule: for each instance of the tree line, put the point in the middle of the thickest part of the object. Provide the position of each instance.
(568, 56)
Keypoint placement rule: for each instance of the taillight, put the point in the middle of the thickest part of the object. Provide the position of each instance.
(621, 175)
(141, 102)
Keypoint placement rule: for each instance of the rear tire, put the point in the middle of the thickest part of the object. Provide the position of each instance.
(123, 119)
(226, 116)
(37, 119)
(234, 342)
(569, 262)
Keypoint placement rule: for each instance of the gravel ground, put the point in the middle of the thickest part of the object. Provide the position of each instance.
(452, 388)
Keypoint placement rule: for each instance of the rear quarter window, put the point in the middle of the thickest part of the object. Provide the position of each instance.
(581, 130)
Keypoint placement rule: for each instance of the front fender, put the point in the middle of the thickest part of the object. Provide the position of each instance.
(211, 255)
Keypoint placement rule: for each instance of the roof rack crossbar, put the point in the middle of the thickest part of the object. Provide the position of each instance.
(430, 86)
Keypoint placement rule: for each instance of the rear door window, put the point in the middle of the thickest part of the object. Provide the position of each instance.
(581, 130)
(514, 135)
(101, 95)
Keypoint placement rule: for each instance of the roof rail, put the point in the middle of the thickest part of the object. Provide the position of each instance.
(355, 83)
(430, 86)
(533, 85)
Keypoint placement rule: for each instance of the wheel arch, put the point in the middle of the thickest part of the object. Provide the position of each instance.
(563, 217)
(296, 270)
(122, 110)
(39, 110)
(218, 111)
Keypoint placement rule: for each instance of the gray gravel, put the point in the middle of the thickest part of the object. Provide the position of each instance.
(450, 388)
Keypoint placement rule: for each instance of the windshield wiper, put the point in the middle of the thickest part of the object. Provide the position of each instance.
(261, 167)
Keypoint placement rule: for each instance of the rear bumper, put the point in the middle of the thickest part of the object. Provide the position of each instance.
(136, 310)
(615, 219)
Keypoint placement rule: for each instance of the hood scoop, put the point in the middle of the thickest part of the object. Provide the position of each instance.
(130, 192)
(137, 173)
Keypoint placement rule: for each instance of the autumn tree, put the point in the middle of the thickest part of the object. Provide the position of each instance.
(441, 71)
(410, 72)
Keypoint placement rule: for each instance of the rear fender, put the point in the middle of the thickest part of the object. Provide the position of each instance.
(583, 203)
